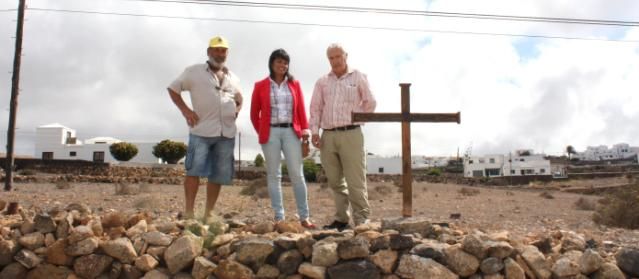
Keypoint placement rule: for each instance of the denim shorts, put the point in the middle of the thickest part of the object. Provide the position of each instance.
(210, 157)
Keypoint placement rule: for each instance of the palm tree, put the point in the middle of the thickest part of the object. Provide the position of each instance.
(570, 150)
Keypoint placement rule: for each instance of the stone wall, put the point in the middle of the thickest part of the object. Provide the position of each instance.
(71, 242)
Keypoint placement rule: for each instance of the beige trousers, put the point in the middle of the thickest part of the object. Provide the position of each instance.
(344, 162)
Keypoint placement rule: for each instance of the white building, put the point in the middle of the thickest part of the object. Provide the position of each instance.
(55, 141)
(523, 162)
(601, 153)
(383, 165)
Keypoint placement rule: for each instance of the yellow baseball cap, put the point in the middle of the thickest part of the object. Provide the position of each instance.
(219, 41)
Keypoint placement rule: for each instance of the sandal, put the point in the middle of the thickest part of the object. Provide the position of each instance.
(308, 225)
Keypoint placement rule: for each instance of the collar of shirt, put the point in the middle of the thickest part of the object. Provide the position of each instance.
(209, 68)
(349, 71)
(219, 84)
(279, 85)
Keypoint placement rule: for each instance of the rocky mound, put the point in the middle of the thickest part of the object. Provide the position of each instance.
(74, 243)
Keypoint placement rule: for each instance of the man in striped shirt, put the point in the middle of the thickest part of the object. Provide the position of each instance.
(336, 96)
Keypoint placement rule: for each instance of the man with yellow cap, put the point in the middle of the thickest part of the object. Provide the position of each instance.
(216, 100)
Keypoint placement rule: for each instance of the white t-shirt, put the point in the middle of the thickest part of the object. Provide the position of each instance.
(213, 102)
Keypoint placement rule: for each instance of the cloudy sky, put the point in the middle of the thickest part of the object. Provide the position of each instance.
(105, 75)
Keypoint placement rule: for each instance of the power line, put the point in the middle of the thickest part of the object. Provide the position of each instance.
(334, 25)
(8, 10)
(481, 16)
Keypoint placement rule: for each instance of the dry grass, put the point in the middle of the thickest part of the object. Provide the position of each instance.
(63, 185)
(145, 188)
(148, 202)
(383, 189)
(585, 204)
(546, 195)
(126, 189)
(27, 172)
(466, 191)
(257, 189)
(619, 209)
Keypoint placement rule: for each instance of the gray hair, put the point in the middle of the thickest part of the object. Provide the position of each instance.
(336, 46)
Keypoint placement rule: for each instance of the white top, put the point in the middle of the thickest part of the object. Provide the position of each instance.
(281, 102)
(213, 101)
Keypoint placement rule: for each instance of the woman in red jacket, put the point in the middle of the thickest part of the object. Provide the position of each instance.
(278, 115)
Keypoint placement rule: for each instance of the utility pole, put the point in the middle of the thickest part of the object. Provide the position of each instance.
(239, 155)
(15, 89)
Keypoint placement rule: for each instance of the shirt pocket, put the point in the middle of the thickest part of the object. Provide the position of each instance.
(227, 102)
(350, 92)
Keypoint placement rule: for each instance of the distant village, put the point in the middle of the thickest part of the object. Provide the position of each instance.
(58, 142)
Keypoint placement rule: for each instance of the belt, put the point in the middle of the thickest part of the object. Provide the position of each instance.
(343, 128)
(282, 125)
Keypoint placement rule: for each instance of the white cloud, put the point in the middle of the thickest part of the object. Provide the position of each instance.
(106, 75)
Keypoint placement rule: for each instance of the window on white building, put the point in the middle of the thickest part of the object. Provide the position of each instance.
(381, 170)
(542, 170)
(98, 156)
(47, 155)
(491, 160)
(72, 154)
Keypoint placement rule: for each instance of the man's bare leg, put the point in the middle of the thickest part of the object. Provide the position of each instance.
(191, 185)
(212, 192)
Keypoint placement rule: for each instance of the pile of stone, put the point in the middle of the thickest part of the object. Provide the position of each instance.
(74, 243)
(114, 174)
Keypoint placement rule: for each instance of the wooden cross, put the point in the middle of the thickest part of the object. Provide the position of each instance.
(406, 118)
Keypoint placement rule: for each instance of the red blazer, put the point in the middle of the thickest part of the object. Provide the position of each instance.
(261, 109)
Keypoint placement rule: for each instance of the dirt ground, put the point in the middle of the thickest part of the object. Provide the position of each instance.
(516, 209)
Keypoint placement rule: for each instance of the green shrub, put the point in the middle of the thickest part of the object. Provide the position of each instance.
(311, 170)
(169, 151)
(259, 160)
(123, 151)
(435, 172)
(619, 209)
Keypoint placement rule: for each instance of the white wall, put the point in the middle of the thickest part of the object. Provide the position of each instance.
(602, 152)
(481, 163)
(53, 139)
(531, 165)
(390, 165)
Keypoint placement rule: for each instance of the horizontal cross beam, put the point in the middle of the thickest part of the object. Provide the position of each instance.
(413, 117)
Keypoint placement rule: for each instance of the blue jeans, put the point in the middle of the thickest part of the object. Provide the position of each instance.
(210, 157)
(285, 140)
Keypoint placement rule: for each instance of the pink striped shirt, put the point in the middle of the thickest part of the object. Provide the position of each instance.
(334, 99)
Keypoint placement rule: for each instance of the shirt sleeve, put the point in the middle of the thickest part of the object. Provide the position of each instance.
(181, 83)
(317, 103)
(368, 102)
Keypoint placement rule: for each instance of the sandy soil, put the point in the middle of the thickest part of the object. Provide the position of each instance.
(519, 210)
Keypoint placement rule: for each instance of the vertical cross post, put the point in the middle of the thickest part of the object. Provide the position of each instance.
(407, 170)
